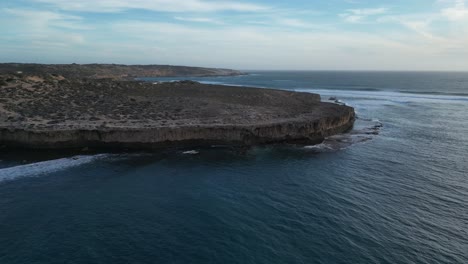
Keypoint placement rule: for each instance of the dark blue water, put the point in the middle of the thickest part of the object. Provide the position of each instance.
(397, 197)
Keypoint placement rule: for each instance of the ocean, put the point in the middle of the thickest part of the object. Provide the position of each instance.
(393, 190)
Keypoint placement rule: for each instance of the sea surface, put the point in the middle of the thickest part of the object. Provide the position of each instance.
(394, 190)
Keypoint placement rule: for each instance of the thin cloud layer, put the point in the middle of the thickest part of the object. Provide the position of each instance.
(250, 35)
(153, 5)
(357, 15)
(458, 11)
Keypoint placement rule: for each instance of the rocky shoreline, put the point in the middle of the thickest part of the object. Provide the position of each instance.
(55, 112)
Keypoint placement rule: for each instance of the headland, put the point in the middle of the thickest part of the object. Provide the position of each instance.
(56, 109)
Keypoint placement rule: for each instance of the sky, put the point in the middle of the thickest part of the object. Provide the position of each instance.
(245, 34)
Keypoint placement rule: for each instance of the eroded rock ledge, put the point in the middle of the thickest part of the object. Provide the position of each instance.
(63, 113)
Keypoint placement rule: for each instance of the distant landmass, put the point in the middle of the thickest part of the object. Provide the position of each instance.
(112, 71)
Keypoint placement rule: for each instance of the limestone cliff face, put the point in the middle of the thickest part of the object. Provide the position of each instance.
(307, 131)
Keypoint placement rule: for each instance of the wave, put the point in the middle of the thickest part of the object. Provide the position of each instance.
(435, 93)
(371, 128)
(360, 91)
(230, 84)
(344, 141)
(348, 88)
(387, 95)
(191, 152)
(322, 147)
(47, 167)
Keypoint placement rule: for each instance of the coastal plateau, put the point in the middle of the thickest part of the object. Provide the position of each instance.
(54, 109)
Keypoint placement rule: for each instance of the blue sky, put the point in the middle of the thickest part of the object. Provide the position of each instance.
(260, 34)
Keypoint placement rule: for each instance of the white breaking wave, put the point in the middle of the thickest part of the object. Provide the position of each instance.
(191, 152)
(320, 147)
(224, 83)
(341, 142)
(398, 97)
(233, 84)
(46, 167)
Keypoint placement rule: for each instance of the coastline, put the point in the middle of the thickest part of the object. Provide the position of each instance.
(112, 71)
(313, 132)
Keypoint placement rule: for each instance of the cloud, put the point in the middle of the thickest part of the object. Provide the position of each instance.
(293, 22)
(458, 11)
(42, 27)
(256, 39)
(420, 27)
(40, 17)
(197, 19)
(110, 6)
(274, 48)
(368, 11)
(444, 31)
(453, 14)
(357, 15)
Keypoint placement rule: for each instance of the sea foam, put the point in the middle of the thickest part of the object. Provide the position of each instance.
(396, 97)
(47, 167)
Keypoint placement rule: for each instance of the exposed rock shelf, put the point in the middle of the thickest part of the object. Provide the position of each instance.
(70, 113)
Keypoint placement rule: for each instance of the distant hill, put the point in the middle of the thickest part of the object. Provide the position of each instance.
(113, 71)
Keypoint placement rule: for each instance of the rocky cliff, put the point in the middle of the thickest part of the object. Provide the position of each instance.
(310, 132)
(69, 113)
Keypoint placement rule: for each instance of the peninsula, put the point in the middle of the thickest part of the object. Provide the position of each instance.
(61, 106)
